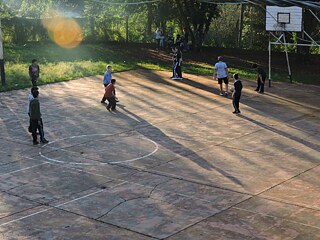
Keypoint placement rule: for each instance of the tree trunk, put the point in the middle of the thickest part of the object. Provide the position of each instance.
(150, 19)
(240, 25)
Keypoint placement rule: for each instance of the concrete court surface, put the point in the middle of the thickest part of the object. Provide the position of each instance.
(172, 162)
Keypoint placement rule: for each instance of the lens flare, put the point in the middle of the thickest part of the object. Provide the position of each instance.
(65, 32)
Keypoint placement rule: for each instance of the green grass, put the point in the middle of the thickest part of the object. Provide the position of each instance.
(59, 64)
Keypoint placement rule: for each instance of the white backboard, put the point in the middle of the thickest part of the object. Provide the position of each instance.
(286, 19)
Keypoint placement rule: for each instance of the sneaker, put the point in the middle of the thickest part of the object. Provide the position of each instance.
(35, 142)
(221, 94)
(257, 89)
(44, 141)
(226, 94)
(261, 92)
(175, 78)
(108, 109)
(179, 78)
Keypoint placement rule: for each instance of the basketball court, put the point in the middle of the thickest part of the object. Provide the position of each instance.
(172, 162)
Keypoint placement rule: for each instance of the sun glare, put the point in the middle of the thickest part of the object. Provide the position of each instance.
(65, 32)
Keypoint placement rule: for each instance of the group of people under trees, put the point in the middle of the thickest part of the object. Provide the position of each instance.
(221, 74)
(169, 41)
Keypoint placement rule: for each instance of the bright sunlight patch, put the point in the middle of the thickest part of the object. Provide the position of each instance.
(65, 32)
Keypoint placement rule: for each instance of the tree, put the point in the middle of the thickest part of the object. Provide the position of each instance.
(196, 17)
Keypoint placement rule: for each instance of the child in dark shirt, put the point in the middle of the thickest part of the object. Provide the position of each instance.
(30, 97)
(261, 78)
(34, 72)
(236, 93)
(36, 120)
(174, 59)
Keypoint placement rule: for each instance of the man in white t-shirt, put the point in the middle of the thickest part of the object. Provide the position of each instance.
(221, 72)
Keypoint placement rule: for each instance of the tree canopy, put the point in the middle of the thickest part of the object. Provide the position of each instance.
(136, 21)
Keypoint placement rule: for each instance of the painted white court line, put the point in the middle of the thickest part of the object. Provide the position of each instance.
(50, 208)
(23, 169)
(156, 148)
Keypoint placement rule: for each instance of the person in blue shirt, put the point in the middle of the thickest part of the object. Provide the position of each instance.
(107, 76)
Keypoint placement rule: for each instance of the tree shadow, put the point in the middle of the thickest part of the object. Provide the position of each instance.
(174, 146)
(282, 133)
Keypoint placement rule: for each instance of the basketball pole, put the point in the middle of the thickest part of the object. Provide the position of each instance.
(287, 56)
(269, 48)
(3, 76)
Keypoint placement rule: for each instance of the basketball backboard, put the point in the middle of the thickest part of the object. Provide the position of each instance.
(283, 19)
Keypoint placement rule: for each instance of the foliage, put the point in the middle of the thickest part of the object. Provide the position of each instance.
(196, 17)
(59, 64)
(207, 24)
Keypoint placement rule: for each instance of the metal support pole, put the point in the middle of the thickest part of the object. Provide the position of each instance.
(3, 76)
(316, 17)
(269, 48)
(287, 56)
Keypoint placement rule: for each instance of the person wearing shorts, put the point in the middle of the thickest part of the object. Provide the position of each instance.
(221, 72)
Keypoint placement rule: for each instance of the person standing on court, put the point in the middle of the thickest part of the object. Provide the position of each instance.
(110, 95)
(107, 76)
(34, 72)
(36, 120)
(221, 72)
(178, 63)
(107, 79)
(30, 97)
(261, 78)
(236, 95)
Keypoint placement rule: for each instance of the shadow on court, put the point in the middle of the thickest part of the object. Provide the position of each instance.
(214, 176)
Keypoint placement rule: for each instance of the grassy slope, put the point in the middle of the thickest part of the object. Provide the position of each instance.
(59, 64)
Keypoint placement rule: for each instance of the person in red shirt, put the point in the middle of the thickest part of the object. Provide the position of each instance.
(110, 95)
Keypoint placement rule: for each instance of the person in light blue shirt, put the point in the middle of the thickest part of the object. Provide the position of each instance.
(107, 76)
(221, 72)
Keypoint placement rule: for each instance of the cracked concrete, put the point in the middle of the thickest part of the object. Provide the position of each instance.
(172, 162)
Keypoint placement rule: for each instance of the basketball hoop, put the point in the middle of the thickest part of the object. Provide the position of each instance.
(279, 28)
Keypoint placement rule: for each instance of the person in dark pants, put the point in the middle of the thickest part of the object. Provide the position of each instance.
(34, 72)
(174, 60)
(30, 97)
(236, 95)
(36, 120)
(178, 63)
(110, 95)
(261, 78)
